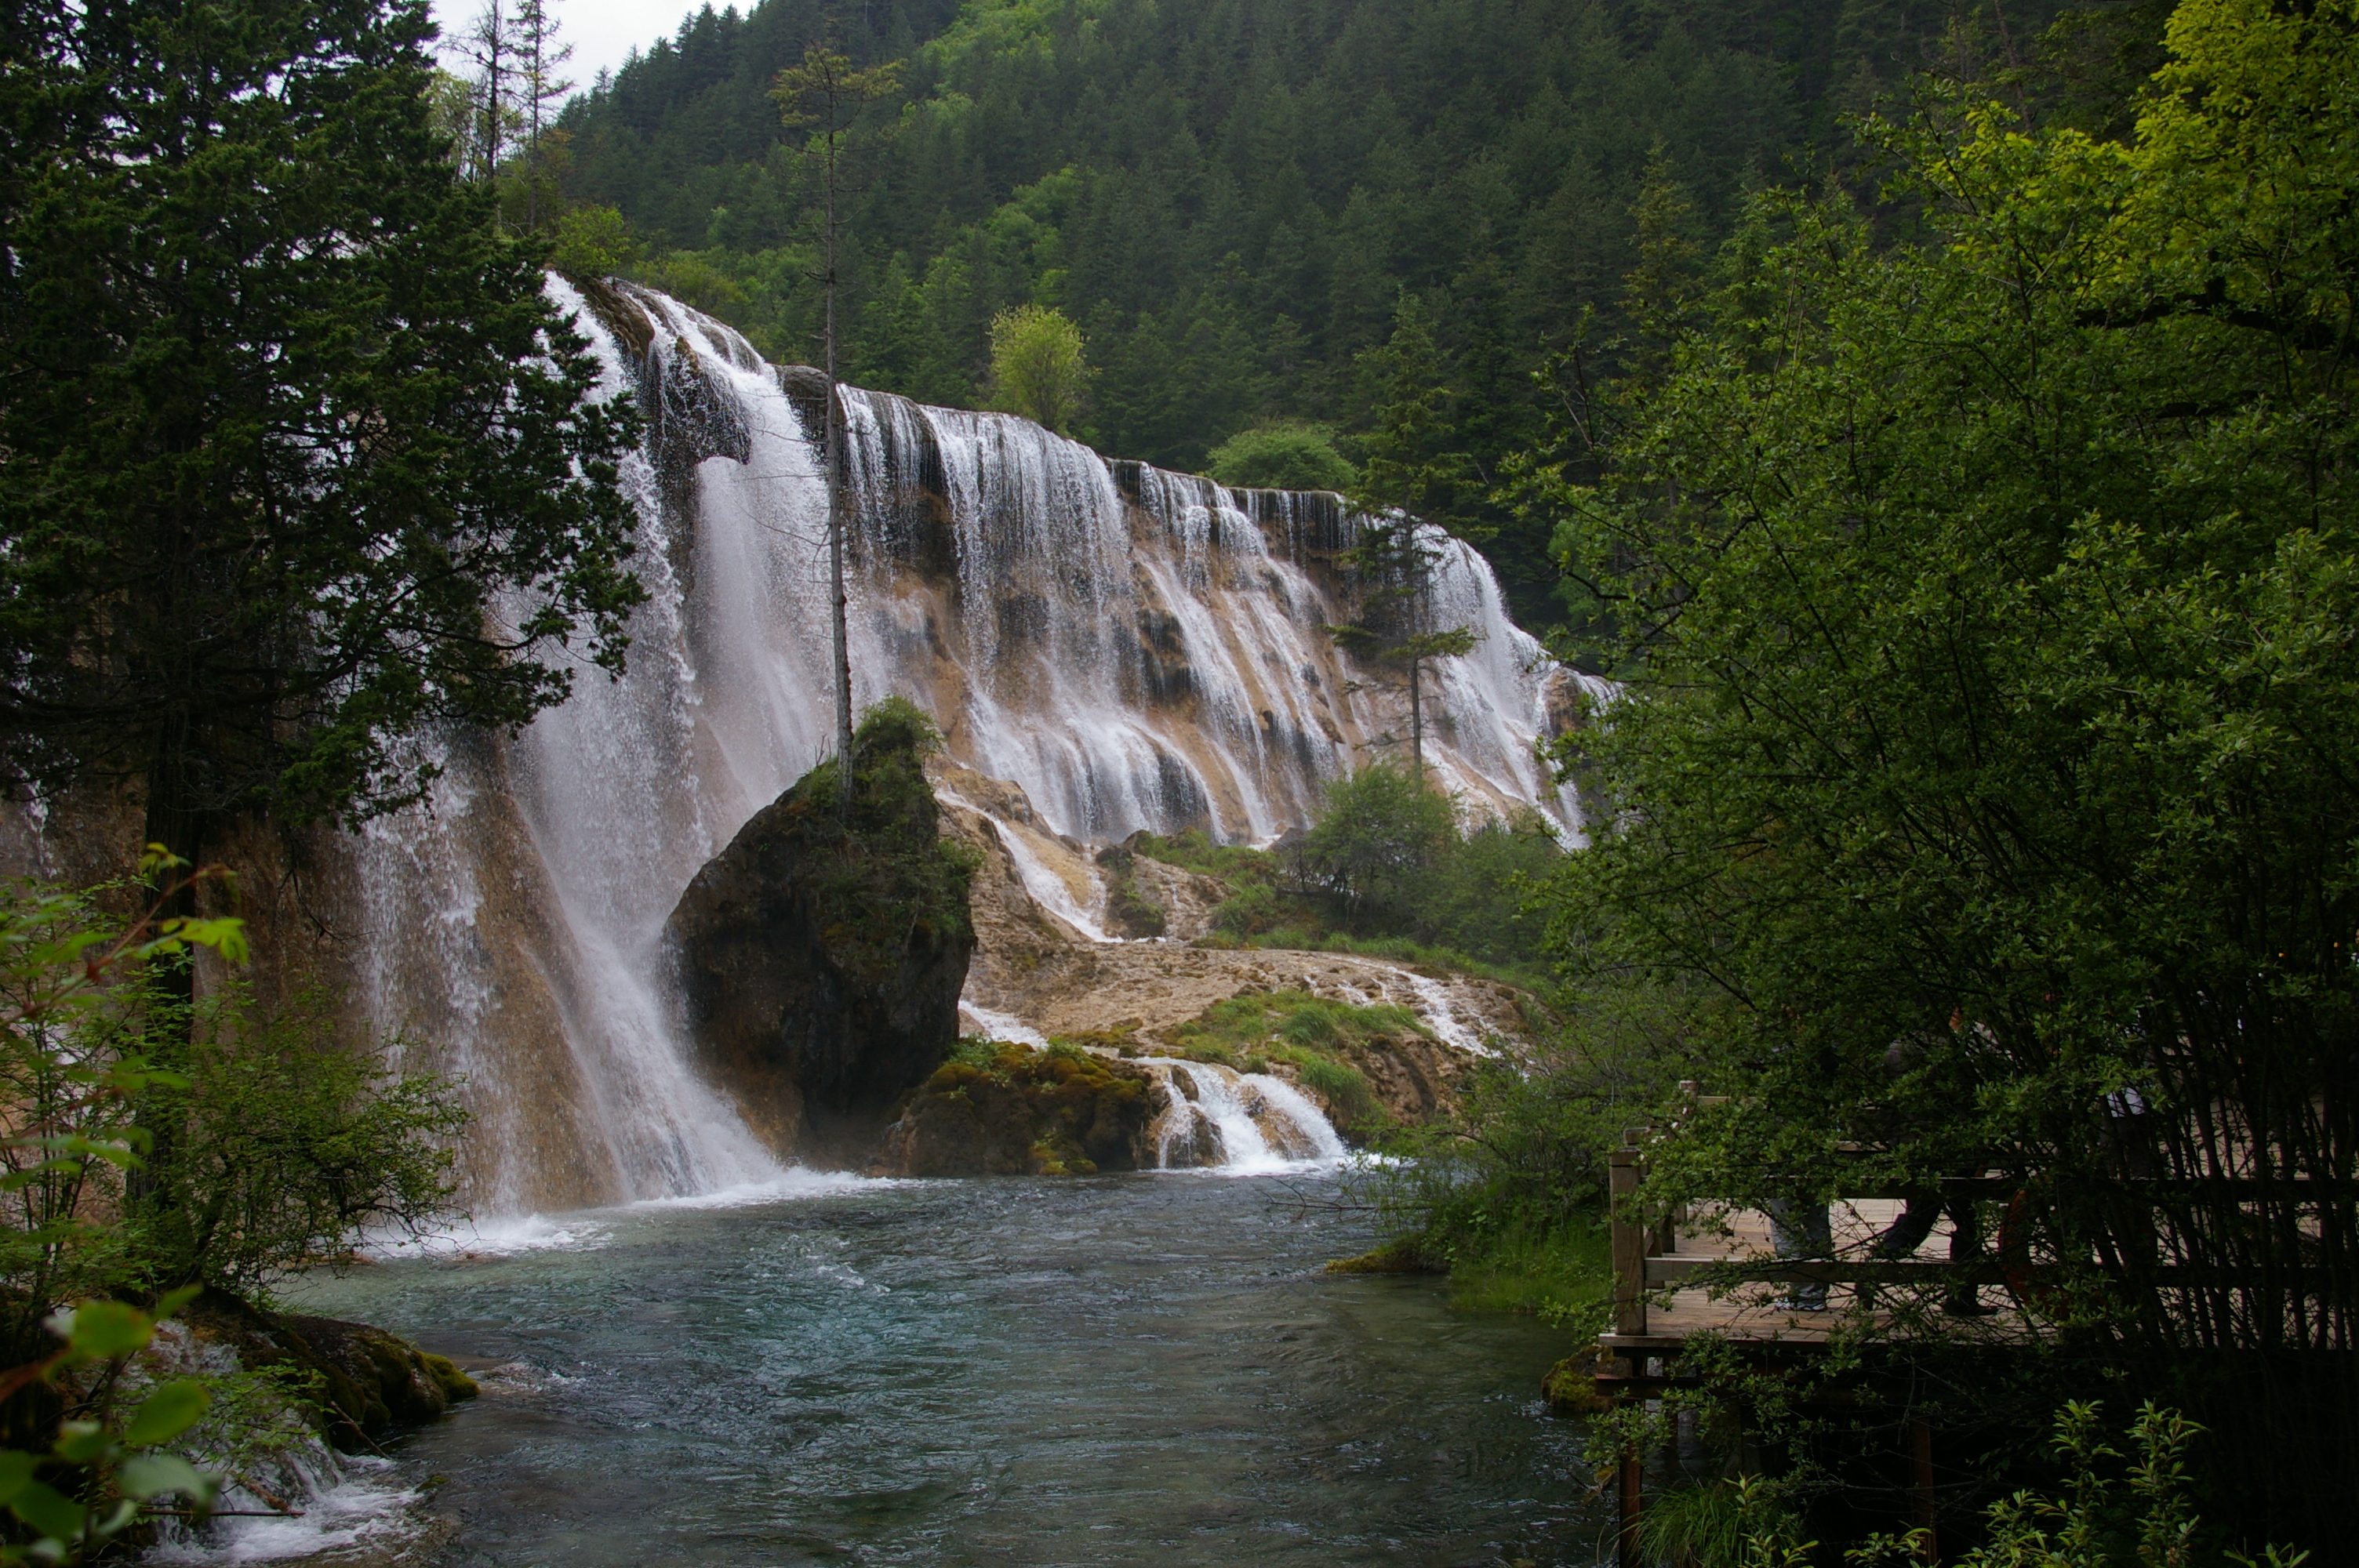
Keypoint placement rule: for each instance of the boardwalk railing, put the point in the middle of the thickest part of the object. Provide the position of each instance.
(1646, 1257)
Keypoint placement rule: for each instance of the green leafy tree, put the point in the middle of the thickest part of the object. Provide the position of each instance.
(1283, 455)
(286, 1143)
(299, 460)
(1378, 831)
(1038, 369)
(594, 242)
(105, 1471)
(1981, 793)
(265, 1142)
(74, 1062)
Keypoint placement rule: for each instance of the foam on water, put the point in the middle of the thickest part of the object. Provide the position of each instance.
(362, 1508)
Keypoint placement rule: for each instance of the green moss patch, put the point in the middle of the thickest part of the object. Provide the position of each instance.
(997, 1106)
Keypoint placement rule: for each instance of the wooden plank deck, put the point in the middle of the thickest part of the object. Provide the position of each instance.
(1753, 1312)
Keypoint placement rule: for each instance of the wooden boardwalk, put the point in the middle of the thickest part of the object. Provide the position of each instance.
(1698, 1273)
(1701, 1255)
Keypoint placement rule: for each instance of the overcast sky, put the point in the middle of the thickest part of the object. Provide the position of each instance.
(603, 32)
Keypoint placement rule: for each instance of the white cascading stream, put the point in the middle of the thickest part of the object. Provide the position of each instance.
(1133, 648)
(1239, 1122)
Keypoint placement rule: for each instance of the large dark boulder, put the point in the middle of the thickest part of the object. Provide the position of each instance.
(821, 963)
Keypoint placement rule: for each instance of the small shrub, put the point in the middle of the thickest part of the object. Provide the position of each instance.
(592, 243)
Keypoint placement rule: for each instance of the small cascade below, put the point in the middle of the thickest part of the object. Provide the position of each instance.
(1240, 1122)
(1132, 648)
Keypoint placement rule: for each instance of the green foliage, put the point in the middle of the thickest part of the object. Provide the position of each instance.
(286, 417)
(1282, 454)
(1981, 789)
(256, 1147)
(1193, 850)
(1293, 1017)
(887, 871)
(1704, 1526)
(1507, 1194)
(260, 1143)
(594, 242)
(1467, 905)
(1037, 366)
(1409, 468)
(696, 279)
(73, 1068)
(1379, 830)
(105, 1471)
(2145, 1517)
(281, 1145)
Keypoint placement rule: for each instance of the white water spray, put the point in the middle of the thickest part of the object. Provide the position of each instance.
(1242, 1123)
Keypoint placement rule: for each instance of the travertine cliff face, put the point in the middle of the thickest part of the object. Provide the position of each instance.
(1121, 647)
(1038, 971)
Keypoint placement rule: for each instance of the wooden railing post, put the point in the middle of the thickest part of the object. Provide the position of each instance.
(1632, 1490)
(1623, 1171)
(1920, 1500)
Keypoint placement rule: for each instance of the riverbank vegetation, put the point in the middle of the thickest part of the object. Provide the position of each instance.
(165, 1157)
(1977, 557)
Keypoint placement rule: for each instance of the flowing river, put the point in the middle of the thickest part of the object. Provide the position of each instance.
(1124, 1369)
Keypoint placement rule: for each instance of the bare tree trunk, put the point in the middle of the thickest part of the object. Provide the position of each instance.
(1417, 718)
(835, 515)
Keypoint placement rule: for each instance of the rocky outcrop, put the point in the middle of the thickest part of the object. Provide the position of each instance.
(819, 965)
(365, 1380)
(1010, 1110)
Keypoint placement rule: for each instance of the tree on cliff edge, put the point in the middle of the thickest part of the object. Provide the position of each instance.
(298, 457)
(1408, 479)
(824, 92)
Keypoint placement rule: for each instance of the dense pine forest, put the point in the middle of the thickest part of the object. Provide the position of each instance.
(1242, 202)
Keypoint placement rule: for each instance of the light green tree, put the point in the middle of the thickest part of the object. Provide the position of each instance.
(1285, 454)
(1038, 369)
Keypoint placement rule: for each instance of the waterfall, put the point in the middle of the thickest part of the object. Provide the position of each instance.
(1133, 648)
(1241, 1122)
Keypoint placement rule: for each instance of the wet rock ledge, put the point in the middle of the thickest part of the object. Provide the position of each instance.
(1008, 1109)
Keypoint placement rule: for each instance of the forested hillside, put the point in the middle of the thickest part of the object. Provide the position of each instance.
(1237, 199)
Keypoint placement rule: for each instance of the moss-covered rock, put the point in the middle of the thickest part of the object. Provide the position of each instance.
(1571, 1386)
(365, 1379)
(1008, 1109)
(1401, 1256)
(821, 958)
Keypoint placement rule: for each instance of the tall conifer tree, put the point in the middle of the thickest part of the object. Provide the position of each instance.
(298, 458)
(824, 92)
